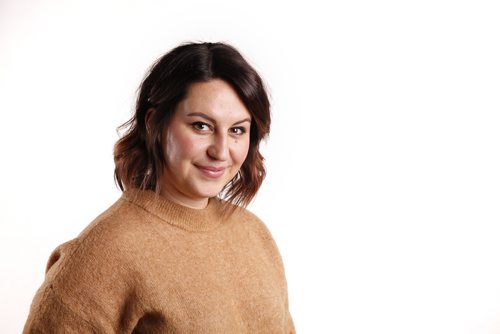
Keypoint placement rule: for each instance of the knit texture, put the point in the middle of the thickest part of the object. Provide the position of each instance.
(148, 265)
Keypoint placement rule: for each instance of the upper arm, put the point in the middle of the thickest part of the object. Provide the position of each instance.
(49, 314)
(89, 287)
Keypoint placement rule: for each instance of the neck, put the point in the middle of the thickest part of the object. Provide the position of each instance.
(193, 220)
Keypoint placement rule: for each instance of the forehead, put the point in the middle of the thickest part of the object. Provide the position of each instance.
(215, 98)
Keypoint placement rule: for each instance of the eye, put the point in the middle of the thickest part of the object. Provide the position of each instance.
(201, 126)
(238, 130)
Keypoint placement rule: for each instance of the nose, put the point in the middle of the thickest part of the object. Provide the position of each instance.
(218, 149)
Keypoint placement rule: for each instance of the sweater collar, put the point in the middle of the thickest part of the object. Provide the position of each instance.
(194, 220)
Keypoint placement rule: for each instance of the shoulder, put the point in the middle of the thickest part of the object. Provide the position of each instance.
(89, 277)
(251, 221)
(257, 231)
(113, 238)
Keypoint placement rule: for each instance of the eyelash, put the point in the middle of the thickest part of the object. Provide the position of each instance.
(241, 130)
(197, 126)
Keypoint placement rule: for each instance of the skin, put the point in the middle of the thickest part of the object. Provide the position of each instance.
(205, 143)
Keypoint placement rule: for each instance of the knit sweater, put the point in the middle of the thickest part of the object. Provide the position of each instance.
(149, 265)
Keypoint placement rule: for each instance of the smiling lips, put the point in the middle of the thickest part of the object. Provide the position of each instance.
(212, 172)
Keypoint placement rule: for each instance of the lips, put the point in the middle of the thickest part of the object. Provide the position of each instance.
(212, 171)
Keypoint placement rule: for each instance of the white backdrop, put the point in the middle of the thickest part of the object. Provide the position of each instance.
(383, 163)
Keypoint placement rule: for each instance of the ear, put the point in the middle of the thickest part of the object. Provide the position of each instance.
(149, 117)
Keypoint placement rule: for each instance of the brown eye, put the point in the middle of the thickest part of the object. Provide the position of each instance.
(200, 126)
(238, 130)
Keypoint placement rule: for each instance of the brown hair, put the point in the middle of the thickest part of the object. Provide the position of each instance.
(139, 160)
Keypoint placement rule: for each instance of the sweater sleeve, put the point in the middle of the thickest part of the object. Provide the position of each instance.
(50, 315)
(88, 288)
(270, 244)
(290, 327)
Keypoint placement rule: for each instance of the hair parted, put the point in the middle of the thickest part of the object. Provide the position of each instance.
(138, 154)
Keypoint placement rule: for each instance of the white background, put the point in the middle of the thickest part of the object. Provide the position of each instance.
(383, 162)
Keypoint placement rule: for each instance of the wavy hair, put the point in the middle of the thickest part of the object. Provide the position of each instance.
(138, 154)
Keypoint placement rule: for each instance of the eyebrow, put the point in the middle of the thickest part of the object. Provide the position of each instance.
(205, 116)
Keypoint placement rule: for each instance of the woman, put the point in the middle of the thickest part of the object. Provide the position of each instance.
(178, 253)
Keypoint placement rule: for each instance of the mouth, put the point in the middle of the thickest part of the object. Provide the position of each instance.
(211, 171)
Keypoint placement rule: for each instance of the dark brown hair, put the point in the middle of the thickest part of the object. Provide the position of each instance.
(139, 160)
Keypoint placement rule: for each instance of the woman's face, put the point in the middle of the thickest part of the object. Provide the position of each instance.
(205, 143)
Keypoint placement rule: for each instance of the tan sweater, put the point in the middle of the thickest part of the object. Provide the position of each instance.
(148, 265)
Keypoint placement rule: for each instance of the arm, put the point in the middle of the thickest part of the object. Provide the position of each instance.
(290, 327)
(87, 289)
(49, 314)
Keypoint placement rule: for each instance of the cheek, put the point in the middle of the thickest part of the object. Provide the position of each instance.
(181, 146)
(241, 152)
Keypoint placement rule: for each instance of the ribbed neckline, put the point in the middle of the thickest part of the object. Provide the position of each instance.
(194, 220)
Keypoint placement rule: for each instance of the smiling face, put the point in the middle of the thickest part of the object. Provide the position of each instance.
(205, 143)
